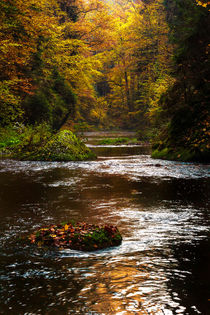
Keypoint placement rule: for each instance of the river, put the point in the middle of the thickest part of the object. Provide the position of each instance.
(161, 209)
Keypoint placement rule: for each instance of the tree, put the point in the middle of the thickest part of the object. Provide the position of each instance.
(137, 68)
(37, 40)
(185, 106)
(22, 25)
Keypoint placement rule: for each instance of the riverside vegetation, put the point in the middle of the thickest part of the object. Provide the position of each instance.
(39, 143)
(118, 141)
(105, 65)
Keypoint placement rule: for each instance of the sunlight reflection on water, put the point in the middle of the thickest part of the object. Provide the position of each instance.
(133, 167)
(161, 209)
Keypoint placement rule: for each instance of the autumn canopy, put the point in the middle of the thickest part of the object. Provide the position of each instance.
(140, 65)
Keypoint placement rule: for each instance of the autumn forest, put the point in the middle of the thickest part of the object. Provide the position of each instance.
(104, 157)
(101, 65)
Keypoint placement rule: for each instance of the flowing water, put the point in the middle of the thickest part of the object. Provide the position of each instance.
(161, 209)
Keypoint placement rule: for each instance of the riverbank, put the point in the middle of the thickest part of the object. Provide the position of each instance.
(41, 144)
(182, 155)
(120, 139)
(115, 143)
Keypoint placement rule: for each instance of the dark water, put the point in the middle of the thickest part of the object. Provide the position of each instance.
(161, 209)
(120, 150)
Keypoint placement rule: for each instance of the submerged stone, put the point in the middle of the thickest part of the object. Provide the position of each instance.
(80, 236)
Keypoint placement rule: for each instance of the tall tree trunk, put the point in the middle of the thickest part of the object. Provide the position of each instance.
(127, 91)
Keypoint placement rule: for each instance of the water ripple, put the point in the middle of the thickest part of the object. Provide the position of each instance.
(134, 167)
(161, 209)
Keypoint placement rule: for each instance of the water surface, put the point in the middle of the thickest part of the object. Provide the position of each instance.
(161, 209)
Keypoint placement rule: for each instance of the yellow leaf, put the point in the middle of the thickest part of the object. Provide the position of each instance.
(66, 227)
(53, 235)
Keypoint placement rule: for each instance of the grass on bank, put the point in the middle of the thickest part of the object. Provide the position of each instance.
(39, 143)
(182, 154)
(118, 141)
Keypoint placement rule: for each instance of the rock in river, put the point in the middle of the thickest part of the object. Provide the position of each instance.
(79, 236)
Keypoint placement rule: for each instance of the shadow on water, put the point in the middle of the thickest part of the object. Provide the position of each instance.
(193, 289)
(161, 208)
(120, 150)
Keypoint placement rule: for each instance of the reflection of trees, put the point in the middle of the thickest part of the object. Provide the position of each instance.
(116, 289)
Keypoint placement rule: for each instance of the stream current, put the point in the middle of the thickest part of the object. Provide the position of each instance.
(161, 209)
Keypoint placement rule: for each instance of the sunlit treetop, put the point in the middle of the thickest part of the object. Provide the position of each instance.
(203, 3)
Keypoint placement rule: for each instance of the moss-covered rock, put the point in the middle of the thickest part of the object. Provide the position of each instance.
(79, 236)
(62, 146)
(182, 154)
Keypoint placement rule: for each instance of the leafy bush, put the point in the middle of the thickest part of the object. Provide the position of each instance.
(11, 136)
